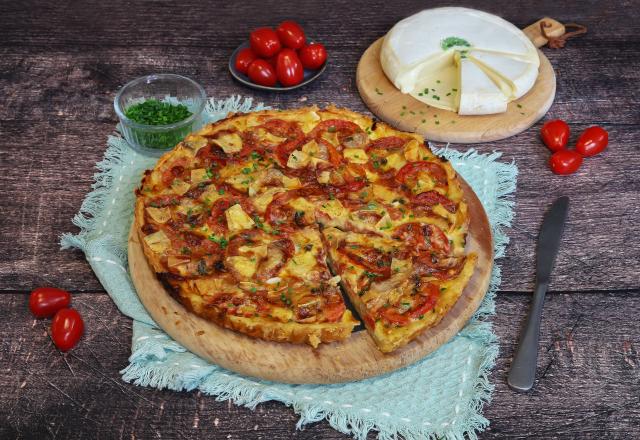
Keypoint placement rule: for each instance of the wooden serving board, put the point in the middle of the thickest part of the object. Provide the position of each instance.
(353, 359)
(406, 113)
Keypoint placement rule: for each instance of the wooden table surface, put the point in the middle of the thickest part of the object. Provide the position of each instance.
(61, 64)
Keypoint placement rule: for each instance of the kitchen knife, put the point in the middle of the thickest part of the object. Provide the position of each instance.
(523, 369)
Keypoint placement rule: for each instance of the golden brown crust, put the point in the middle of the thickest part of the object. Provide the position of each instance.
(311, 334)
(210, 217)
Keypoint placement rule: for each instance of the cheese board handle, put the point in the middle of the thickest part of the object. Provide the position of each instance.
(553, 28)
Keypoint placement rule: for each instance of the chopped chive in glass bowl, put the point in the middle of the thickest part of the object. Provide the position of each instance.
(156, 112)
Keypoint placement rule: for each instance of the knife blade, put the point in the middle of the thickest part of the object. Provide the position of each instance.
(523, 369)
(549, 238)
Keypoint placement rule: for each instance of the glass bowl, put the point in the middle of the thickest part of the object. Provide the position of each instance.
(157, 139)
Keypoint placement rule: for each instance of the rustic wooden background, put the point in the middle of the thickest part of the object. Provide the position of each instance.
(60, 66)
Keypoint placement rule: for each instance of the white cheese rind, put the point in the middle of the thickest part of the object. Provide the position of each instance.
(419, 37)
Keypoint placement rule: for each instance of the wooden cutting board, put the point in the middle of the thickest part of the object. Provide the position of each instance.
(353, 359)
(406, 113)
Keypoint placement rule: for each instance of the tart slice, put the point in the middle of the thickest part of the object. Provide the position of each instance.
(397, 292)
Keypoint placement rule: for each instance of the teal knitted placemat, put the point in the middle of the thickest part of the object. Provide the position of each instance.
(440, 396)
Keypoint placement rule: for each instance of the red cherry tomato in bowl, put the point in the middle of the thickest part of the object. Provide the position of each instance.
(264, 42)
(66, 328)
(289, 69)
(272, 60)
(46, 301)
(555, 134)
(261, 72)
(244, 59)
(565, 162)
(291, 34)
(592, 141)
(313, 56)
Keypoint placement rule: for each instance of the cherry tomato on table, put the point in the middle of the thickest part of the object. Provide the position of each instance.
(261, 72)
(592, 141)
(291, 34)
(264, 42)
(244, 59)
(46, 301)
(289, 68)
(565, 162)
(313, 56)
(66, 328)
(555, 134)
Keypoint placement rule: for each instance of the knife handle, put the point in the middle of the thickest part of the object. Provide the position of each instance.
(523, 369)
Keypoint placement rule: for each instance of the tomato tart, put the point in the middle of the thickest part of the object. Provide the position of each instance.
(265, 222)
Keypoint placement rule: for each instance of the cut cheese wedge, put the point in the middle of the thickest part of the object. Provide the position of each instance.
(479, 94)
(420, 56)
(439, 88)
(514, 77)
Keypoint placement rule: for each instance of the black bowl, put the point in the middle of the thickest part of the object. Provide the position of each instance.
(309, 75)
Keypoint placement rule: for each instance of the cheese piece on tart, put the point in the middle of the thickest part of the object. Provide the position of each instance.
(419, 55)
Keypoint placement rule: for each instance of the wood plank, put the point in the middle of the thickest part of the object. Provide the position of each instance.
(195, 24)
(587, 386)
(71, 83)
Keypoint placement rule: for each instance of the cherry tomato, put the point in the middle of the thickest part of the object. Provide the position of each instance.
(272, 60)
(264, 42)
(46, 301)
(66, 328)
(565, 162)
(313, 56)
(244, 59)
(555, 134)
(289, 68)
(592, 141)
(261, 72)
(291, 34)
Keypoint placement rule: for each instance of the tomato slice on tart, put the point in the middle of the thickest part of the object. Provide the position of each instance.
(432, 198)
(376, 262)
(349, 134)
(387, 143)
(411, 172)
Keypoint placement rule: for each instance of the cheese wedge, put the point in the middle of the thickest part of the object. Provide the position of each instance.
(514, 77)
(439, 88)
(479, 95)
(419, 55)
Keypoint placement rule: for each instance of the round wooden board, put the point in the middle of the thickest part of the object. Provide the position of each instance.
(388, 103)
(353, 359)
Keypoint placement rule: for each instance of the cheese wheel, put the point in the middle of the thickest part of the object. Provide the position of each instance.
(425, 54)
